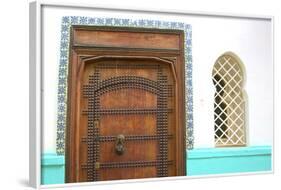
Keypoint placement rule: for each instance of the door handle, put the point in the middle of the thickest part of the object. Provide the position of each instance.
(119, 144)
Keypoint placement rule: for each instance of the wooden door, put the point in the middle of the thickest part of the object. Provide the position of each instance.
(125, 104)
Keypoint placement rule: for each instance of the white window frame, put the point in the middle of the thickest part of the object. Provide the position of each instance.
(231, 127)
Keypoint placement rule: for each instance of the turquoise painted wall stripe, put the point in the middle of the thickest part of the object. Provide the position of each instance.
(203, 161)
(52, 159)
(52, 169)
(228, 160)
(230, 151)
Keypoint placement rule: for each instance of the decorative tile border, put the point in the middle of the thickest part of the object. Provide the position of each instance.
(67, 21)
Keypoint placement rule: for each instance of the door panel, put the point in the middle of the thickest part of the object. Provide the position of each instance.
(130, 39)
(126, 112)
(134, 150)
(128, 98)
(126, 173)
(127, 124)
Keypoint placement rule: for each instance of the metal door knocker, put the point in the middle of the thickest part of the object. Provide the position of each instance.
(119, 144)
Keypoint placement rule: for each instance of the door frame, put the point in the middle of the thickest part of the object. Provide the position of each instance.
(79, 53)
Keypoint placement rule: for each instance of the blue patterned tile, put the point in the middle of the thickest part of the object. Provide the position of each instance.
(189, 108)
(63, 53)
(165, 24)
(61, 90)
(83, 20)
(91, 21)
(100, 21)
(60, 126)
(150, 23)
(189, 66)
(189, 99)
(157, 23)
(108, 21)
(141, 23)
(62, 81)
(189, 82)
(173, 24)
(117, 21)
(64, 28)
(188, 42)
(60, 145)
(61, 117)
(63, 45)
(61, 99)
(60, 135)
(189, 90)
(189, 58)
(189, 74)
(125, 21)
(74, 20)
(181, 25)
(189, 129)
(61, 108)
(64, 36)
(65, 19)
(187, 27)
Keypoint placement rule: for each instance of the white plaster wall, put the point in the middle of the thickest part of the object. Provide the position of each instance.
(212, 36)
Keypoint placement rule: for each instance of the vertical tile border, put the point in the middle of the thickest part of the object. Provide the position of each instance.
(67, 21)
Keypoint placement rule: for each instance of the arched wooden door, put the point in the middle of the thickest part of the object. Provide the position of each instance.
(123, 117)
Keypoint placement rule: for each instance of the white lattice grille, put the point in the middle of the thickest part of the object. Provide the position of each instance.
(229, 104)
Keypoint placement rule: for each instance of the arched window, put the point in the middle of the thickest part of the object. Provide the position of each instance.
(229, 102)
